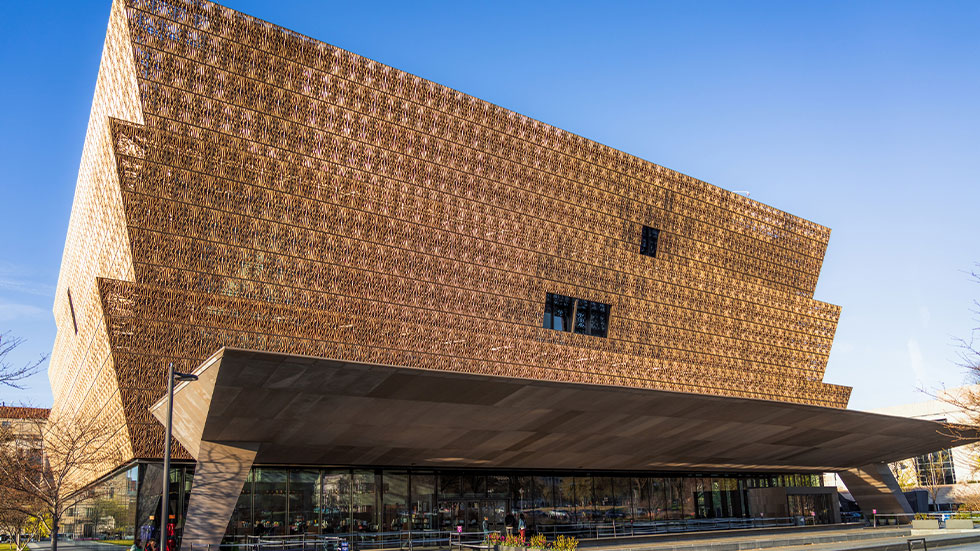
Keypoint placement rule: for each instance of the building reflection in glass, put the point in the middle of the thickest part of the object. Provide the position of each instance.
(278, 501)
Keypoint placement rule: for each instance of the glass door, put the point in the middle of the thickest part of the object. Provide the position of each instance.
(474, 520)
(495, 511)
(469, 514)
(450, 515)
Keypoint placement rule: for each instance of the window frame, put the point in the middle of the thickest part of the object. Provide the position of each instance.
(649, 241)
(579, 316)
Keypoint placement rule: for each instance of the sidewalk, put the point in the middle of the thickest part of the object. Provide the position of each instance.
(935, 539)
(868, 539)
(72, 545)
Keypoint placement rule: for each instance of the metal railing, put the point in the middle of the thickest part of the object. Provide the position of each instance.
(301, 542)
(404, 539)
(880, 520)
(463, 541)
(606, 530)
(453, 539)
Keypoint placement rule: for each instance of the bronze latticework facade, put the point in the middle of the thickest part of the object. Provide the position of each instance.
(242, 185)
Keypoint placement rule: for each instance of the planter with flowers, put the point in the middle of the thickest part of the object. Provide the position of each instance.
(493, 541)
(563, 543)
(512, 543)
(537, 542)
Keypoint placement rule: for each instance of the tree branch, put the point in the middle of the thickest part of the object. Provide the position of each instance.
(11, 375)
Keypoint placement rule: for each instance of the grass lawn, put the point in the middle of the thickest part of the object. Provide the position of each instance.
(125, 543)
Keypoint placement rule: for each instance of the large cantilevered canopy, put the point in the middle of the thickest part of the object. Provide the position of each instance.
(303, 410)
(257, 407)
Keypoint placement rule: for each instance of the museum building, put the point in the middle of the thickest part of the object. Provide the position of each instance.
(409, 308)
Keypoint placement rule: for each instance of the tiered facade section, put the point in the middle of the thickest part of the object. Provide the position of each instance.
(259, 189)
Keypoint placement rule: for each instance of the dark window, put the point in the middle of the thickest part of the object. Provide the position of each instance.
(558, 311)
(648, 243)
(584, 317)
(591, 318)
(71, 306)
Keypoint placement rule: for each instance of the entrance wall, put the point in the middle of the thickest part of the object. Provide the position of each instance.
(380, 503)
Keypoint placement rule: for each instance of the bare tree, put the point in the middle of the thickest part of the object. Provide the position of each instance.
(15, 521)
(11, 375)
(932, 470)
(905, 474)
(968, 498)
(970, 350)
(966, 399)
(20, 515)
(48, 485)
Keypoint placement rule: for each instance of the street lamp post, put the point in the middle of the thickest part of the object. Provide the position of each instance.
(165, 501)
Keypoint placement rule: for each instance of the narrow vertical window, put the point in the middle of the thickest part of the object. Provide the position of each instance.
(648, 241)
(71, 307)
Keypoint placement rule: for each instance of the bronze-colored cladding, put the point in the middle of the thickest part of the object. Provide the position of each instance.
(273, 192)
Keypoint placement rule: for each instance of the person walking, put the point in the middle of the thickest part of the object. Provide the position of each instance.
(521, 526)
(486, 528)
(509, 522)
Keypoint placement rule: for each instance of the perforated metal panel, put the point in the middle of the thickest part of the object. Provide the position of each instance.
(276, 193)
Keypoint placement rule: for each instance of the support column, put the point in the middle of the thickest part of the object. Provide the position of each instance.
(219, 477)
(874, 487)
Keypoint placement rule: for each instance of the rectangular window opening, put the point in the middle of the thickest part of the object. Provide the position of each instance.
(584, 317)
(558, 311)
(71, 307)
(648, 241)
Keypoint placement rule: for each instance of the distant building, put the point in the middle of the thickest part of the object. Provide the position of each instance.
(25, 426)
(949, 476)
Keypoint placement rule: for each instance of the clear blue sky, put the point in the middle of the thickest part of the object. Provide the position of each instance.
(862, 116)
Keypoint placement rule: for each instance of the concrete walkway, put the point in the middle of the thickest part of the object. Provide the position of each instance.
(879, 539)
(844, 539)
(938, 539)
(81, 545)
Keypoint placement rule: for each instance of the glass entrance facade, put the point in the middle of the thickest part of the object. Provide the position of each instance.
(279, 501)
(379, 506)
